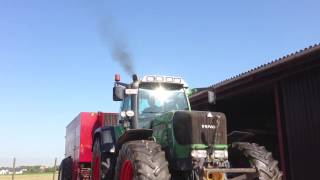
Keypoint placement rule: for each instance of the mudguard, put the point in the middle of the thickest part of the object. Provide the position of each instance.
(134, 134)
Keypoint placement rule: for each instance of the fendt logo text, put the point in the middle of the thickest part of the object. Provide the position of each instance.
(207, 126)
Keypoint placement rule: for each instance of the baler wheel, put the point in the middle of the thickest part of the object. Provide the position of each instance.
(141, 160)
(65, 169)
(250, 154)
(100, 171)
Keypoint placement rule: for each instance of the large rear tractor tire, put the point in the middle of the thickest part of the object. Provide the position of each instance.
(141, 160)
(101, 164)
(243, 154)
(65, 169)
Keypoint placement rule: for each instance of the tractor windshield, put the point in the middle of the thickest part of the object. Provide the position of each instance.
(156, 100)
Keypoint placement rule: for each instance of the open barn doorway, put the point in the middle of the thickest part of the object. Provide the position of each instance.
(253, 112)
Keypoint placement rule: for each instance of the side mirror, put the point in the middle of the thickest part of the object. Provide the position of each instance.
(118, 93)
(211, 97)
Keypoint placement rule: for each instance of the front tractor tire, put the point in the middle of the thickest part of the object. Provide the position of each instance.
(65, 169)
(141, 160)
(243, 154)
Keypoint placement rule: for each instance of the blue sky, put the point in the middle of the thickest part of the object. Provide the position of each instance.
(55, 61)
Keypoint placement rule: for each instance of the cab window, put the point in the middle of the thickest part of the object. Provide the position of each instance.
(126, 104)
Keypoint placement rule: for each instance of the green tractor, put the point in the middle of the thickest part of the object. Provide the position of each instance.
(160, 137)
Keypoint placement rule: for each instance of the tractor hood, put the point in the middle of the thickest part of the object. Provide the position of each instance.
(180, 132)
(199, 127)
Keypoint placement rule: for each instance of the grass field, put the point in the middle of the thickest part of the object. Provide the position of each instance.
(44, 176)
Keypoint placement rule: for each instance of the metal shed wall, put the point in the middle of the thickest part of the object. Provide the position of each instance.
(295, 79)
(301, 115)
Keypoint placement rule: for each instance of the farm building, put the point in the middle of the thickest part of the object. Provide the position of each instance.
(280, 102)
(4, 171)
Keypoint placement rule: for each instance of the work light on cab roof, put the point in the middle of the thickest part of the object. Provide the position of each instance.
(164, 79)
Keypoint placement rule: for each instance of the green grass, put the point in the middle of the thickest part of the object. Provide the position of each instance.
(40, 176)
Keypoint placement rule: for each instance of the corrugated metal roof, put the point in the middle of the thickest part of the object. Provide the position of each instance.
(269, 65)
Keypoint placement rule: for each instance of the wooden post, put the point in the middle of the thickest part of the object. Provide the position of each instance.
(54, 168)
(13, 168)
(279, 130)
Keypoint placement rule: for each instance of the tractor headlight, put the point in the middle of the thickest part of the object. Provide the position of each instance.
(199, 153)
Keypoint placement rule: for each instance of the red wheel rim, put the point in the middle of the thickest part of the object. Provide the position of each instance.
(126, 172)
(96, 168)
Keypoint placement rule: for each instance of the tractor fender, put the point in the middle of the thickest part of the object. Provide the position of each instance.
(134, 134)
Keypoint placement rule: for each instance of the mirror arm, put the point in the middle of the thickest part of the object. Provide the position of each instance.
(122, 84)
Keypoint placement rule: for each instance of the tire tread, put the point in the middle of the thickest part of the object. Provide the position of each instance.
(261, 159)
(147, 158)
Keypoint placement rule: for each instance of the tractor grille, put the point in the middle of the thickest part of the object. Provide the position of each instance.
(195, 127)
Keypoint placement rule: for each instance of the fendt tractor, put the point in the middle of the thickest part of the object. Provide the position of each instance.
(158, 136)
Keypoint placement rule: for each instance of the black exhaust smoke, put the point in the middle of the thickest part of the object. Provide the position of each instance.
(118, 46)
(121, 54)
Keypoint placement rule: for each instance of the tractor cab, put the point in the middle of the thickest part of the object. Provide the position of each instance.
(149, 97)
